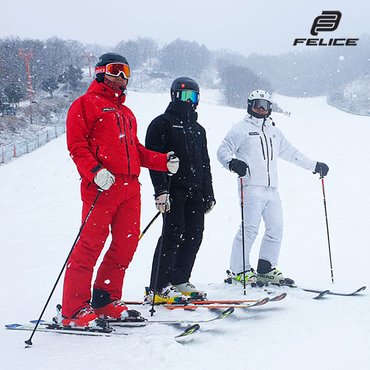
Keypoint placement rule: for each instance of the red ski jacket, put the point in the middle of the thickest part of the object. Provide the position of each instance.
(102, 133)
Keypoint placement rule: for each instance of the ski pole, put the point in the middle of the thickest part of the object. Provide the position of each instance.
(149, 224)
(243, 238)
(327, 227)
(29, 341)
(160, 247)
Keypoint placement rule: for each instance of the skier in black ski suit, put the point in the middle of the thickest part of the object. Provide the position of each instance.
(191, 193)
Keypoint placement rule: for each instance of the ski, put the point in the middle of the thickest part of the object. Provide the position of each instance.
(111, 328)
(226, 313)
(210, 301)
(238, 301)
(145, 303)
(184, 336)
(51, 327)
(191, 307)
(337, 293)
(286, 283)
(278, 297)
(187, 332)
(319, 293)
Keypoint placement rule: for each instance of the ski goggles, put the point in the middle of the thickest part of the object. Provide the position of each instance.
(261, 104)
(115, 69)
(186, 95)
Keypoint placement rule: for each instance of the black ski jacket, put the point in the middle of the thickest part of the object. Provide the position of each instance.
(178, 130)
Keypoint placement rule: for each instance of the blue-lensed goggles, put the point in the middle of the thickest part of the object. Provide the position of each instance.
(186, 95)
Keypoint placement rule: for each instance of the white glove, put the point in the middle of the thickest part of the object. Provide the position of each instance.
(172, 162)
(104, 179)
(162, 202)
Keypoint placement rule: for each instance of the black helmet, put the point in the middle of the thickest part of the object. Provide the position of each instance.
(259, 98)
(106, 59)
(185, 83)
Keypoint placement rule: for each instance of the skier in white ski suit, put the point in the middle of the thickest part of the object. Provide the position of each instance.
(251, 149)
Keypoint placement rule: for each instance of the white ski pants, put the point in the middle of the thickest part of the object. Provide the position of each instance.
(259, 202)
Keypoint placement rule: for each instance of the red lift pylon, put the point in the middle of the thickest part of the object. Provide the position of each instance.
(26, 56)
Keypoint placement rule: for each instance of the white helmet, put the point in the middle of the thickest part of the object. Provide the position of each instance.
(259, 98)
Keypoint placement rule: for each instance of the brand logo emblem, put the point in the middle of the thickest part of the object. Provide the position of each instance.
(109, 109)
(328, 21)
(254, 133)
(100, 69)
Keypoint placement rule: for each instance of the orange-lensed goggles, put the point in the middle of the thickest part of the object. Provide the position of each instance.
(115, 69)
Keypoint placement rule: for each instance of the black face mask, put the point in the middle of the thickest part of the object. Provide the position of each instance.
(184, 106)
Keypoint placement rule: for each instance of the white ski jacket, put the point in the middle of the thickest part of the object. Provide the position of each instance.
(259, 143)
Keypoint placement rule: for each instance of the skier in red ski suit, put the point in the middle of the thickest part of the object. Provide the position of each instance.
(103, 143)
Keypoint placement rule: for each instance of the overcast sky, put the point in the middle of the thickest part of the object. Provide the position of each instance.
(244, 26)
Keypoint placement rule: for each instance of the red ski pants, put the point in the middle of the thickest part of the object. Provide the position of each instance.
(117, 209)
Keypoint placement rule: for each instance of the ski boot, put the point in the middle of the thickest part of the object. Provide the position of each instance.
(84, 319)
(190, 290)
(168, 294)
(268, 275)
(250, 277)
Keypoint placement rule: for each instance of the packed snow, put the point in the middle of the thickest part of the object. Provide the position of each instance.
(40, 216)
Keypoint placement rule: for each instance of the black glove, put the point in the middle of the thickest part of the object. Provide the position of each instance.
(238, 166)
(322, 169)
(209, 204)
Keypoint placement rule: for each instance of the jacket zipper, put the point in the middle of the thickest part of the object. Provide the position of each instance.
(185, 126)
(263, 150)
(125, 136)
(119, 128)
(132, 143)
(267, 152)
(272, 149)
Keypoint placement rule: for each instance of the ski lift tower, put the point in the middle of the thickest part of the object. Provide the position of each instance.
(26, 56)
(90, 57)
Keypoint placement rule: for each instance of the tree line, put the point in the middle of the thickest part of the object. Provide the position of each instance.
(55, 62)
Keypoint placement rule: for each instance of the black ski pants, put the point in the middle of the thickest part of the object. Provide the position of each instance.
(181, 237)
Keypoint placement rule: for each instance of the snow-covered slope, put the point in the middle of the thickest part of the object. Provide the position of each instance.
(39, 220)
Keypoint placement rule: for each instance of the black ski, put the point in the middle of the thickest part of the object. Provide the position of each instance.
(51, 327)
(109, 329)
(337, 293)
(187, 332)
(321, 293)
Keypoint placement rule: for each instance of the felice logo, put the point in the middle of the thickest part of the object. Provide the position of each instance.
(328, 21)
